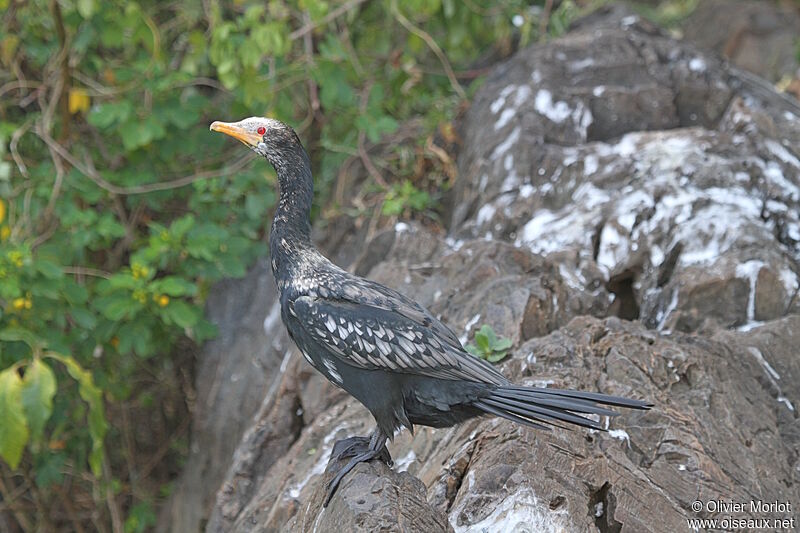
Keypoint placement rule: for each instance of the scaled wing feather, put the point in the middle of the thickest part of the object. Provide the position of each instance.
(375, 338)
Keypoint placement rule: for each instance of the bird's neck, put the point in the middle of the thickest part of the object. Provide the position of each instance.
(290, 237)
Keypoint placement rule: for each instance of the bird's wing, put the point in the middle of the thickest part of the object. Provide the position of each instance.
(375, 338)
(363, 291)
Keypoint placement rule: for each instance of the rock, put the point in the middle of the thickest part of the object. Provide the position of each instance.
(612, 173)
(758, 36)
(236, 371)
(519, 294)
(372, 498)
(724, 422)
(651, 464)
(617, 150)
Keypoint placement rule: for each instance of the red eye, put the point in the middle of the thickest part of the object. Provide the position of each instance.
(261, 130)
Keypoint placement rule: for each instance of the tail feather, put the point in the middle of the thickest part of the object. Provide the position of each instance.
(508, 415)
(533, 411)
(597, 397)
(578, 406)
(535, 406)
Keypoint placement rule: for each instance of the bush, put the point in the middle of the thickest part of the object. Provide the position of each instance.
(119, 210)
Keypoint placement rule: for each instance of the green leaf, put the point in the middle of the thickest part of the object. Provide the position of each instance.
(489, 345)
(502, 344)
(104, 115)
(181, 226)
(38, 389)
(255, 206)
(496, 356)
(114, 307)
(491, 336)
(392, 206)
(10, 288)
(49, 269)
(5, 169)
(133, 136)
(123, 280)
(75, 294)
(173, 286)
(11, 334)
(181, 116)
(13, 426)
(140, 519)
(107, 226)
(204, 330)
(86, 8)
(49, 468)
(93, 397)
(134, 336)
(83, 318)
(181, 314)
(482, 340)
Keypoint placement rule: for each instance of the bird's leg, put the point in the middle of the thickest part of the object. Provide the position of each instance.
(360, 450)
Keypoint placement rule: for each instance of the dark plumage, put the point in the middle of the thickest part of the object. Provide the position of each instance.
(383, 348)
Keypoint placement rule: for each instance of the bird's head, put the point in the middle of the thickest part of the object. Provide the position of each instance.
(265, 136)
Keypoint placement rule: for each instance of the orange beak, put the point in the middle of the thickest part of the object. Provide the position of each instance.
(237, 132)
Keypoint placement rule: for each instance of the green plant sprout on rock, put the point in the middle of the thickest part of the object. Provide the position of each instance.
(488, 345)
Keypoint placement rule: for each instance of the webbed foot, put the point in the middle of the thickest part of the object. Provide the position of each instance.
(353, 446)
(358, 450)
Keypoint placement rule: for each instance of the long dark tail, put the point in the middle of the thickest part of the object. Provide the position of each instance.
(535, 406)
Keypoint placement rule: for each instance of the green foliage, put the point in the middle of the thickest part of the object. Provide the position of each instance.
(12, 418)
(404, 196)
(488, 345)
(669, 13)
(119, 210)
(38, 389)
(26, 404)
(562, 17)
(140, 518)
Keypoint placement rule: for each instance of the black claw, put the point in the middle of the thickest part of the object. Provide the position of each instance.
(383, 455)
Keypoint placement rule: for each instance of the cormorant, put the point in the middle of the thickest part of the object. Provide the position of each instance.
(383, 348)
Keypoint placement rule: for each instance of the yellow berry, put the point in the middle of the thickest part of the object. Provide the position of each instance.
(18, 303)
(163, 300)
(114, 341)
(5, 232)
(2, 210)
(28, 303)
